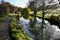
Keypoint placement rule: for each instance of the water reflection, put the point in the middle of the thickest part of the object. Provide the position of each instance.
(50, 31)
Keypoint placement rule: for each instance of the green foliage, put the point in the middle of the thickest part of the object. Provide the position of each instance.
(24, 12)
(16, 31)
(3, 18)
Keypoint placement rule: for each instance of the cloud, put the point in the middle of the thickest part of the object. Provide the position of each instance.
(19, 3)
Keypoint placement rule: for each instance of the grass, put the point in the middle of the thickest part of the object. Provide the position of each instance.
(13, 14)
(16, 31)
(3, 18)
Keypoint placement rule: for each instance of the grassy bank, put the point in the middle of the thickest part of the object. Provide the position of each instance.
(3, 18)
(16, 31)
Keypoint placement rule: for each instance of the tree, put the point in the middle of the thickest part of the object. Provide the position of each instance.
(5, 8)
(35, 8)
(24, 13)
(42, 5)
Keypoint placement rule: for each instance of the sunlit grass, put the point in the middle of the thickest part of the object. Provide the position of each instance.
(3, 18)
(16, 32)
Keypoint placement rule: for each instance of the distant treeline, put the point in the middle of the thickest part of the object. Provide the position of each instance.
(6, 8)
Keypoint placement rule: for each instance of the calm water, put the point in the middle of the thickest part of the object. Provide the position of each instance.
(49, 30)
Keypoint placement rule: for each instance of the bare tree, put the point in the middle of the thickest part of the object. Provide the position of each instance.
(42, 5)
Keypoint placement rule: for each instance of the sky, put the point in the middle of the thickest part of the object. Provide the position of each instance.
(19, 3)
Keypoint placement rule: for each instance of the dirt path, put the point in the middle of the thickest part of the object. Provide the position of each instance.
(4, 29)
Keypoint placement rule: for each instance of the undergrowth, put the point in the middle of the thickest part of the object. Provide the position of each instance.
(16, 31)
